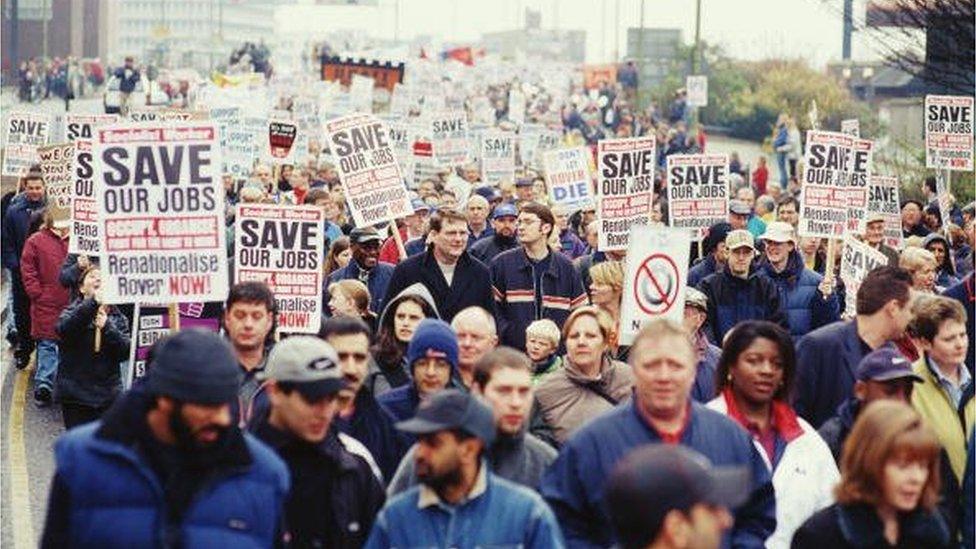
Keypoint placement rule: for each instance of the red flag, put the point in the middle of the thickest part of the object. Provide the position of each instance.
(463, 55)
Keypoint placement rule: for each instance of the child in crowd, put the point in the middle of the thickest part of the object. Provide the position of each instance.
(541, 343)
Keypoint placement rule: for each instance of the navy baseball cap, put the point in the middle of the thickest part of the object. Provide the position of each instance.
(885, 364)
(452, 409)
(504, 210)
(655, 479)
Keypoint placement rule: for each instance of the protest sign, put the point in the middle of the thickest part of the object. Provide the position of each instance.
(823, 203)
(150, 323)
(162, 115)
(368, 170)
(534, 141)
(160, 204)
(25, 132)
(625, 189)
(942, 197)
(80, 126)
(568, 177)
(655, 279)
(361, 93)
(56, 162)
(283, 246)
(384, 75)
(851, 127)
(698, 191)
(516, 106)
(282, 144)
(238, 153)
(497, 157)
(697, 88)
(883, 200)
(949, 132)
(861, 164)
(84, 215)
(449, 137)
(857, 261)
(403, 100)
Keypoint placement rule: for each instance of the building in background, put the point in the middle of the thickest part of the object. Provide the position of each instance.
(536, 43)
(656, 52)
(187, 33)
(53, 28)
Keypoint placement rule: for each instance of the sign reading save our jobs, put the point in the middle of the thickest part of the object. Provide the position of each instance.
(823, 203)
(80, 126)
(25, 132)
(625, 188)
(568, 177)
(698, 191)
(857, 261)
(883, 200)
(283, 246)
(949, 132)
(654, 283)
(84, 215)
(368, 170)
(160, 204)
(449, 137)
(861, 164)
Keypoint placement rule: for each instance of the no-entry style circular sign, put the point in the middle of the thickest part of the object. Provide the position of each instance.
(656, 284)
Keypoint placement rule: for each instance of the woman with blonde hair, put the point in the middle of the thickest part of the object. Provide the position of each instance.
(351, 298)
(606, 292)
(921, 264)
(889, 486)
(590, 382)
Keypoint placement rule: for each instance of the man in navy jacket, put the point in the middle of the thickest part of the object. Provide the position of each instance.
(661, 411)
(365, 267)
(454, 278)
(827, 357)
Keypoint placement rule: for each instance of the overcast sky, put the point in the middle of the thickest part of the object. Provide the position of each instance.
(747, 29)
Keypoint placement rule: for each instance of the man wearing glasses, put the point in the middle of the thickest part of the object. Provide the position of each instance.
(531, 282)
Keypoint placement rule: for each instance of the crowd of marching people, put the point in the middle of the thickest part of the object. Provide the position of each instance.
(468, 386)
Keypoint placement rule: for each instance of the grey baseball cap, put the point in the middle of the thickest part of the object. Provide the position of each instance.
(308, 364)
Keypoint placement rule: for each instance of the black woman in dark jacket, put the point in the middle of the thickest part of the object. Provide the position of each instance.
(889, 487)
(88, 376)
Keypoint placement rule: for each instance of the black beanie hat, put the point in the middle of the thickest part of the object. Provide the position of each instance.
(194, 366)
(716, 234)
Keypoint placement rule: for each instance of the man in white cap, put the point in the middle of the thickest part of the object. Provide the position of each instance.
(808, 298)
(739, 291)
(874, 232)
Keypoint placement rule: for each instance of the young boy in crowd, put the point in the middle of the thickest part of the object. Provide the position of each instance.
(541, 343)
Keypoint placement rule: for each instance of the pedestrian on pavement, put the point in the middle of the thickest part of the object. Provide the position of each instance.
(716, 255)
(888, 490)
(502, 238)
(755, 376)
(874, 236)
(360, 416)
(476, 336)
(590, 381)
(945, 273)
(542, 339)
(351, 298)
(660, 411)
(365, 267)
(40, 266)
(532, 282)
(431, 359)
(671, 496)
(827, 357)
(740, 291)
(250, 318)
(395, 329)
(707, 354)
(503, 378)
(459, 502)
(16, 224)
(920, 264)
(170, 450)
(335, 494)
(606, 293)
(808, 298)
(478, 228)
(94, 341)
(454, 278)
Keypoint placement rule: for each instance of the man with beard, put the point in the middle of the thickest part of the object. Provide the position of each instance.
(459, 502)
(249, 318)
(168, 450)
(335, 495)
(365, 267)
(503, 225)
(503, 377)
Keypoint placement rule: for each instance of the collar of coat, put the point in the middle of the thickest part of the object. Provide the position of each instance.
(861, 527)
(429, 498)
(329, 447)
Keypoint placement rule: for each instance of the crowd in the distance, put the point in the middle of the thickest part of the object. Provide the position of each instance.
(472, 388)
